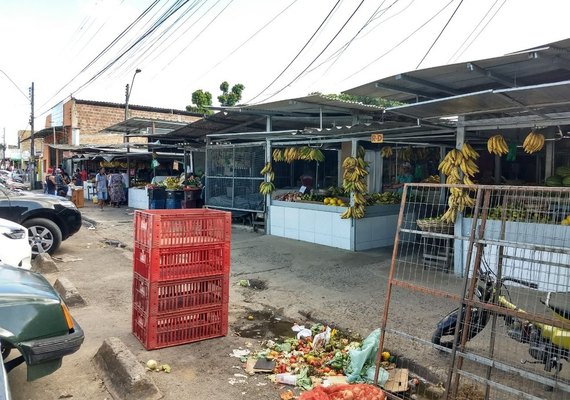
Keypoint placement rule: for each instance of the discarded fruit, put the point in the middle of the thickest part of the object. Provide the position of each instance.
(166, 368)
(385, 356)
(250, 317)
(151, 364)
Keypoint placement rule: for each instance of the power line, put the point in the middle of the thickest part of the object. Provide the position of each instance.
(318, 55)
(16, 86)
(440, 33)
(247, 40)
(299, 53)
(343, 47)
(481, 31)
(105, 50)
(474, 29)
(399, 43)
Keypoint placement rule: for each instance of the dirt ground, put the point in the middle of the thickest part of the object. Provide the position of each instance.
(301, 282)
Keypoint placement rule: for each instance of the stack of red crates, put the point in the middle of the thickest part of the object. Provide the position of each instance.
(181, 276)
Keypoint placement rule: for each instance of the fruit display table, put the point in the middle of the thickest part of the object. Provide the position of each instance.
(319, 223)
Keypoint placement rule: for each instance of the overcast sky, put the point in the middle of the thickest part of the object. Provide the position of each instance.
(277, 48)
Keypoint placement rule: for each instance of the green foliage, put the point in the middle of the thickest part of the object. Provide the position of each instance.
(230, 98)
(201, 100)
(374, 101)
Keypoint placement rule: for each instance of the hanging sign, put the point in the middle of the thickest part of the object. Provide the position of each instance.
(377, 138)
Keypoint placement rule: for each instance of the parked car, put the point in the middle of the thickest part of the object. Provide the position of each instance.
(49, 219)
(36, 322)
(15, 248)
(4, 388)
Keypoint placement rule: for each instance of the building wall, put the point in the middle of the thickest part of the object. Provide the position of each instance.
(92, 118)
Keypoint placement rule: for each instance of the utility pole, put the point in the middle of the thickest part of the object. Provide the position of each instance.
(32, 150)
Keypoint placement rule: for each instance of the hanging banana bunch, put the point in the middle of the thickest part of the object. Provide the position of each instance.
(459, 167)
(497, 145)
(354, 181)
(278, 155)
(266, 188)
(268, 170)
(386, 152)
(533, 142)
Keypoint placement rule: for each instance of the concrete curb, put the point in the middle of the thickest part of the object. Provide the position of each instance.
(68, 292)
(89, 220)
(124, 376)
(44, 264)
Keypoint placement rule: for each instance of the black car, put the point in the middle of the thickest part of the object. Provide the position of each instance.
(49, 219)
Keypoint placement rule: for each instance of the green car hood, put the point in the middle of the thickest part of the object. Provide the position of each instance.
(21, 285)
(30, 308)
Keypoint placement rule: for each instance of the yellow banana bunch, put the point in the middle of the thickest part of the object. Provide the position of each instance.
(359, 199)
(497, 145)
(467, 180)
(353, 212)
(469, 152)
(349, 162)
(407, 154)
(266, 187)
(316, 155)
(533, 142)
(450, 215)
(386, 152)
(360, 186)
(468, 167)
(452, 180)
(266, 169)
(278, 155)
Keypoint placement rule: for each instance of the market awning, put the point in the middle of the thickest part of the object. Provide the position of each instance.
(544, 64)
(538, 100)
(42, 134)
(145, 127)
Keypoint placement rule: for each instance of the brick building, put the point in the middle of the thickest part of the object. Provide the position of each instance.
(81, 122)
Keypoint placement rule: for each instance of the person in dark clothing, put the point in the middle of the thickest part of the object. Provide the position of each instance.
(61, 185)
(50, 182)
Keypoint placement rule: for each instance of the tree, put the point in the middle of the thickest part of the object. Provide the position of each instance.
(201, 100)
(230, 98)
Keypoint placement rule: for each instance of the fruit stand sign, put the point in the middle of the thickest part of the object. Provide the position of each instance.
(377, 138)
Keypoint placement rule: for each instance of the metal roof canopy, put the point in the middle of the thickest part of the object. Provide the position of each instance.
(43, 133)
(537, 101)
(145, 127)
(544, 64)
(293, 114)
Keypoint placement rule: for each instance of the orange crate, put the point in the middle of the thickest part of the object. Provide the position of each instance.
(182, 227)
(168, 330)
(157, 298)
(162, 264)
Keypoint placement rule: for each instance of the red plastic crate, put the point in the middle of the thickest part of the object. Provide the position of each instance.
(182, 228)
(157, 298)
(167, 330)
(163, 264)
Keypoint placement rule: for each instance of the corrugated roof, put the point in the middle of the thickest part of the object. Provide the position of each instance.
(543, 64)
(312, 104)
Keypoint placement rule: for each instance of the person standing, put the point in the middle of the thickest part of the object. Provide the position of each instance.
(116, 189)
(101, 183)
(50, 182)
(83, 174)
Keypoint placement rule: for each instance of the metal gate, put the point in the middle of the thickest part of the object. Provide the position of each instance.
(505, 263)
(233, 178)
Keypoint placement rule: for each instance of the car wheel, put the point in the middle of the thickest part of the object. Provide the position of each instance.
(44, 235)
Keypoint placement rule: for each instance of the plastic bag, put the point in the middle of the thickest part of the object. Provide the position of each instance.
(362, 361)
(95, 199)
(359, 391)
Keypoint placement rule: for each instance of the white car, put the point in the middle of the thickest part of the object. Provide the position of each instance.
(15, 248)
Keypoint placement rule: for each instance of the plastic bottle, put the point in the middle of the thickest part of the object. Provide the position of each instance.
(286, 378)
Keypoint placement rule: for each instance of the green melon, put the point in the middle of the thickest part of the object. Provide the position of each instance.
(554, 180)
(566, 181)
(563, 171)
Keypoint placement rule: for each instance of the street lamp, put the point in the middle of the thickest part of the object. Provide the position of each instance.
(128, 90)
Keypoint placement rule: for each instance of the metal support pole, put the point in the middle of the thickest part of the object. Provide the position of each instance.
(32, 139)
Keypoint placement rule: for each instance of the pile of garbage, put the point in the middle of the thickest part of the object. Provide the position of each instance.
(319, 357)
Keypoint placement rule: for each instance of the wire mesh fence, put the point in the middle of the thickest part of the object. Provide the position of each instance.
(233, 178)
(492, 286)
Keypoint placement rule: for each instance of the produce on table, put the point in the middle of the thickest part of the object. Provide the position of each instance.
(563, 171)
(554, 180)
(566, 221)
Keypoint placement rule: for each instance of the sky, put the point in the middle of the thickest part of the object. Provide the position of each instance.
(278, 49)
